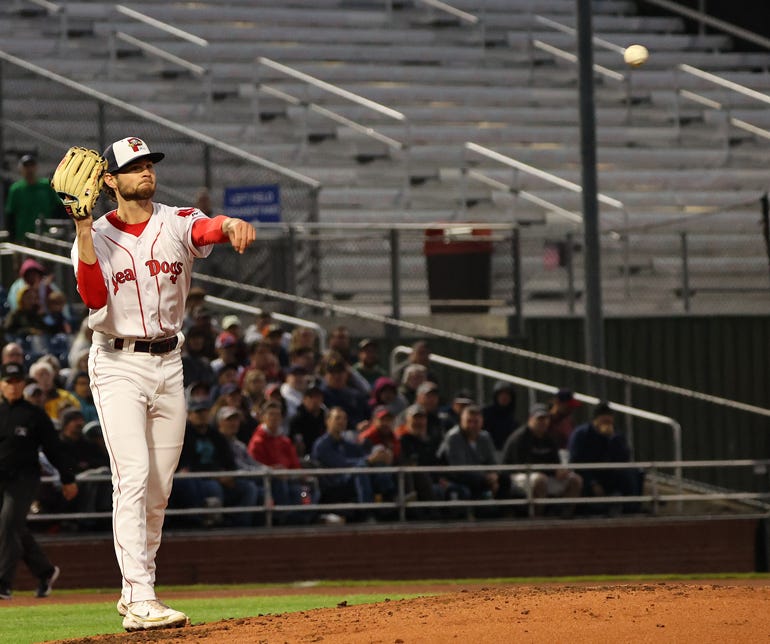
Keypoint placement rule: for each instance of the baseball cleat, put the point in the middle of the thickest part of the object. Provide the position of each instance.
(46, 583)
(151, 614)
(122, 607)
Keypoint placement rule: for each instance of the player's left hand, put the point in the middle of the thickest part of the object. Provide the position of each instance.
(239, 232)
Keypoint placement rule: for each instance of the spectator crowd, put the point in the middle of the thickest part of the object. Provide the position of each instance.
(265, 403)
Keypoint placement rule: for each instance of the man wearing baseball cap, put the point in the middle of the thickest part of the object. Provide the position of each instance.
(25, 428)
(134, 267)
(29, 199)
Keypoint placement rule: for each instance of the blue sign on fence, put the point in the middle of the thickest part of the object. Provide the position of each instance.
(254, 203)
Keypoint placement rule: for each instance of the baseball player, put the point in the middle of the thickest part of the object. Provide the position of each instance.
(133, 268)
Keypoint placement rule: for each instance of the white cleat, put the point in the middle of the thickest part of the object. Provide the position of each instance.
(122, 607)
(151, 614)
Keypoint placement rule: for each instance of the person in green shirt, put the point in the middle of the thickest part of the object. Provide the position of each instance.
(30, 198)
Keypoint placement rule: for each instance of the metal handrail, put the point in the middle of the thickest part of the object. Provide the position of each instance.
(532, 385)
(204, 72)
(467, 172)
(704, 19)
(424, 330)
(288, 173)
(713, 104)
(402, 501)
(403, 146)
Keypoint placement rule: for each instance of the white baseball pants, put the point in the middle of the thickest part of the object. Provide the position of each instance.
(140, 401)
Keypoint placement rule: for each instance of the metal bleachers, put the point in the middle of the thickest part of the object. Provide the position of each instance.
(664, 158)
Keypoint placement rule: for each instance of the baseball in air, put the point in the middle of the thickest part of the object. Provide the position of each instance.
(636, 55)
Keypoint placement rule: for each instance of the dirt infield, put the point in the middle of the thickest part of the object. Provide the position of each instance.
(650, 612)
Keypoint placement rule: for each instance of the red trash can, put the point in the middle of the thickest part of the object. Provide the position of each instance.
(459, 262)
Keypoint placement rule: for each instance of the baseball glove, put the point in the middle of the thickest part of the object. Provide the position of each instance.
(78, 181)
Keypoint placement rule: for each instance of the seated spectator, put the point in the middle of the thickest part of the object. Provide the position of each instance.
(253, 383)
(385, 392)
(34, 394)
(32, 274)
(531, 445)
(261, 357)
(368, 364)
(308, 424)
(231, 396)
(468, 444)
(271, 447)
(597, 441)
(304, 337)
(428, 397)
(500, 414)
(333, 450)
(228, 374)
(202, 319)
(226, 346)
(232, 324)
(418, 447)
(12, 352)
(80, 387)
(293, 389)
(55, 399)
(274, 335)
(55, 319)
(196, 366)
(421, 355)
(26, 319)
(450, 415)
(562, 422)
(339, 341)
(380, 432)
(412, 377)
(88, 459)
(304, 357)
(336, 393)
(205, 449)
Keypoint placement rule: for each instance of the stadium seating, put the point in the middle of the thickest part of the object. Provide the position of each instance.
(666, 160)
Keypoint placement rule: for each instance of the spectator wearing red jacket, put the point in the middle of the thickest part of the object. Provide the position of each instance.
(271, 447)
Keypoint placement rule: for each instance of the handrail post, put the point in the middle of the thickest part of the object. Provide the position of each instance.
(626, 255)
(255, 102)
(677, 104)
(479, 377)
(395, 282)
(305, 126)
(463, 179)
(677, 432)
(207, 166)
(569, 261)
(269, 503)
(401, 495)
(685, 272)
(113, 54)
(518, 289)
(406, 150)
(629, 419)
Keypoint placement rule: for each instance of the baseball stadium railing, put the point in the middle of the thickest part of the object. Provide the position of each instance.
(656, 495)
(403, 146)
(532, 386)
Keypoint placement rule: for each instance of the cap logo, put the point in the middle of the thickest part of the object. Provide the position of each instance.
(135, 144)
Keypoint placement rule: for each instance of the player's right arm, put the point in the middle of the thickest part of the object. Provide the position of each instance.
(91, 285)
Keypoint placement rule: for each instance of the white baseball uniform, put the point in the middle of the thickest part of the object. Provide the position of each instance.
(137, 386)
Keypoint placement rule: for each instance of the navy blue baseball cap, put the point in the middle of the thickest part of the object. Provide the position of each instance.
(126, 151)
(12, 371)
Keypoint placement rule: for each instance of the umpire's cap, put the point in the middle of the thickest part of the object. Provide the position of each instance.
(12, 371)
(126, 151)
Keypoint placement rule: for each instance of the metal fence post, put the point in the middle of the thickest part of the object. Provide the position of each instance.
(394, 332)
(291, 266)
(518, 313)
(685, 274)
(207, 166)
(569, 264)
(268, 502)
(401, 496)
(479, 377)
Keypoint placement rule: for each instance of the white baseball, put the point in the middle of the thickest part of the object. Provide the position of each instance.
(636, 55)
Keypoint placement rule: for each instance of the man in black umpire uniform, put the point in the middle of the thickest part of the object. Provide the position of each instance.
(24, 428)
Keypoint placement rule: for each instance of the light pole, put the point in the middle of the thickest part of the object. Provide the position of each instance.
(594, 322)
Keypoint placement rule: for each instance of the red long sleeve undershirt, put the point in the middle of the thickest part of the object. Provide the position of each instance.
(91, 284)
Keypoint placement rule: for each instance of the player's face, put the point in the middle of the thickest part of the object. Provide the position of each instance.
(136, 182)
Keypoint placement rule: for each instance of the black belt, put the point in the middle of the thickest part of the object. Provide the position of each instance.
(154, 347)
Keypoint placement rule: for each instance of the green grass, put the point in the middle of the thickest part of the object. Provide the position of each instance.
(28, 624)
